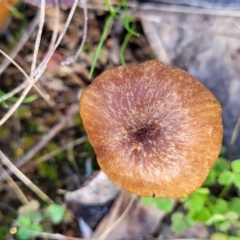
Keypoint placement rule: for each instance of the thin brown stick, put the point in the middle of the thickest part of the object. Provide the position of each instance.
(73, 59)
(56, 25)
(59, 150)
(24, 179)
(24, 94)
(14, 91)
(20, 44)
(38, 39)
(18, 103)
(43, 65)
(23, 85)
(67, 70)
(15, 187)
(116, 223)
(234, 137)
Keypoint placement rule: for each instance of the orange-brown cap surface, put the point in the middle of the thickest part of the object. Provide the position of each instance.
(156, 130)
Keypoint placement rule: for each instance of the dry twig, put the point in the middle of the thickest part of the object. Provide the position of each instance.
(234, 137)
(72, 59)
(24, 179)
(15, 187)
(19, 45)
(123, 215)
(59, 150)
(56, 25)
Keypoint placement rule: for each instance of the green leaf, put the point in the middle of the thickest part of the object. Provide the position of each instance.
(235, 165)
(236, 180)
(15, 99)
(165, 205)
(179, 227)
(147, 200)
(233, 238)
(224, 226)
(221, 165)
(177, 216)
(35, 216)
(24, 234)
(56, 213)
(234, 205)
(203, 191)
(215, 218)
(231, 215)
(211, 179)
(219, 236)
(24, 221)
(33, 230)
(225, 178)
(4, 104)
(203, 215)
(178, 224)
(26, 225)
(190, 222)
(184, 199)
(195, 202)
(220, 207)
(36, 227)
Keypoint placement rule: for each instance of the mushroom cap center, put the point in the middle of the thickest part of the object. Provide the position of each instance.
(142, 133)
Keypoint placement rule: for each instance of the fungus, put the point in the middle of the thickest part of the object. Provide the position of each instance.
(156, 131)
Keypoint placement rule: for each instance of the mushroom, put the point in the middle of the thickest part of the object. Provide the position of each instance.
(156, 130)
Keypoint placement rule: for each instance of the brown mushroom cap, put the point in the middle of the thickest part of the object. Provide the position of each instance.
(156, 131)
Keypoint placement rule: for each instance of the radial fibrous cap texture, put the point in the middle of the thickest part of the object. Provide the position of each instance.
(156, 131)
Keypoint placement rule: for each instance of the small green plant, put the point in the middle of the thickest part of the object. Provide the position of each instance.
(210, 204)
(165, 204)
(120, 12)
(14, 99)
(32, 220)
